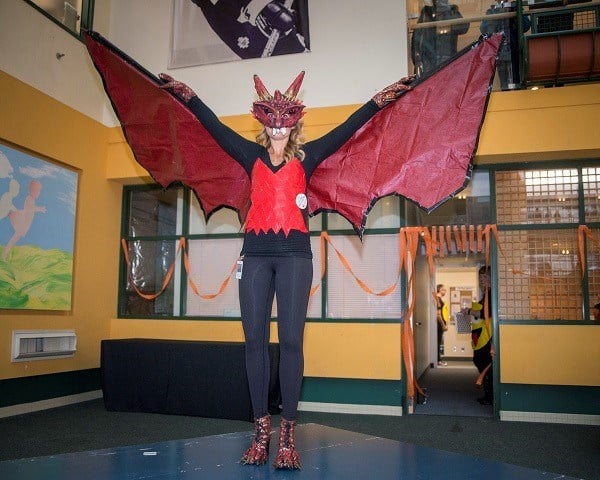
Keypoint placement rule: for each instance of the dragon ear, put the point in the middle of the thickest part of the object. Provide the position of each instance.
(261, 90)
(294, 88)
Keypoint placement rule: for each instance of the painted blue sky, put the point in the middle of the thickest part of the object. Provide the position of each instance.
(50, 230)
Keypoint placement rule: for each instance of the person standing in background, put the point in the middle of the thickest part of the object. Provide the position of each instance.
(432, 46)
(481, 337)
(441, 320)
(508, 64)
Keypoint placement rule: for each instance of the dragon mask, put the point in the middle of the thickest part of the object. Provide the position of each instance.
(280, 109)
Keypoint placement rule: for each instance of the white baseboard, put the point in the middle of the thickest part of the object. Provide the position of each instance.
(350, 408)
(50, 403)
(542, 417)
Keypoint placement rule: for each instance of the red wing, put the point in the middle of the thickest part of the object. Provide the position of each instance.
(421, 146)
(165, 136)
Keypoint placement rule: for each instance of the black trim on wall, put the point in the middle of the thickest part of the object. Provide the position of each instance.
(573, 399)
(16, 391)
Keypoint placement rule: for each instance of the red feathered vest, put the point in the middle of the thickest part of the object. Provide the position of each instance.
(277, 198)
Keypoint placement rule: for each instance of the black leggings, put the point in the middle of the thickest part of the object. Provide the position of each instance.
(482, 358)
(290, 278)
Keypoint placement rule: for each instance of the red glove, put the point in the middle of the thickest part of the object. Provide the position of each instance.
(178, 88)
(392, 92)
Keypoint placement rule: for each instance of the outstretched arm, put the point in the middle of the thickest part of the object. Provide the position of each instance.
(240, 149)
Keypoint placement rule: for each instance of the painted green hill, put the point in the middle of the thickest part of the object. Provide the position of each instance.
(33, 278)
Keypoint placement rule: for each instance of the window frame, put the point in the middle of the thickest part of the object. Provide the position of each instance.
(578, 165)
(322, 220)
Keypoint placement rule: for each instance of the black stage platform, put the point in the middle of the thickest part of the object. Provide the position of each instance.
(327, 453)
(180, 377)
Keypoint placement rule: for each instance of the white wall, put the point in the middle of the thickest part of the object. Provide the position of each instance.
(29, 43)
(357, 48)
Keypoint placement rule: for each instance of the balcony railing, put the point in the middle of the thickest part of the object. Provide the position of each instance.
(564, 44)
(547, 42)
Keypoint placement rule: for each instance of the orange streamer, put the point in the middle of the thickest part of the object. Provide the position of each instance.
(165, 281)
(479, 238)
(449, 239)
(584, 232)
(472, 243)
(457, 239)
(361, 284)
(443, 247)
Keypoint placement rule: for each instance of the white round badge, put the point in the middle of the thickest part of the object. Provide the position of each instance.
(301, 201)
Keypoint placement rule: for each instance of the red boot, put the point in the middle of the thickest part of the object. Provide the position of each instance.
(287, 456)
(258, 453)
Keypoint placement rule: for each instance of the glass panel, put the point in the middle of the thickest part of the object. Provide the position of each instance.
(66, 12)
(224, 220)
(208, 271)
(384, 214)
(537, 196)
(469, 207)
(591, 194)
(375, 262)
(435, 35)
(154, 212)
(593, 269)
(337, 222)
(539, 276)
(211, 262)
(315, 224)
(149, 263)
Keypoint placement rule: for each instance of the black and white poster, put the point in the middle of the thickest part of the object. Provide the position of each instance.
(215, 31)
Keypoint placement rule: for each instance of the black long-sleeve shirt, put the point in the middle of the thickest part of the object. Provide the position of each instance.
(247, 153)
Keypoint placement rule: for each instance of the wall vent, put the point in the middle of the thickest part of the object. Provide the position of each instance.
(42, 344)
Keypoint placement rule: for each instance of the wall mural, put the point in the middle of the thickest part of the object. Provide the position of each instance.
(37, 229)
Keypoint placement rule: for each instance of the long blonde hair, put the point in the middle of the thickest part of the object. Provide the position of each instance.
(294, 144)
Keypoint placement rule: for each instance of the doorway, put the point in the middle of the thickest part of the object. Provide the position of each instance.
(450, 385)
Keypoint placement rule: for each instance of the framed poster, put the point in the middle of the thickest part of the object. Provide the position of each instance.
(37, 231)
(215, 31)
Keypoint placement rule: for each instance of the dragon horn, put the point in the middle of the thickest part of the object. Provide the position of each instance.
(294, 88)
(261, 90)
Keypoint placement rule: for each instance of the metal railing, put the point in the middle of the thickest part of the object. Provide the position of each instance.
(547, 42)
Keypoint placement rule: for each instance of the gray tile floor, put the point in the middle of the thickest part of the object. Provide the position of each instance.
(451, 391)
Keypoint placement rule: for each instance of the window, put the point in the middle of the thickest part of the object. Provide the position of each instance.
(73, 15)
(152, 230)
(471, 206)
(156, 282)
(538, 214)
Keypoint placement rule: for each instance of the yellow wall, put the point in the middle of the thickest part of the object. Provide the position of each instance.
(38, 123)
(546, 124)
(550, 355)
(336, 350)
(46, 127)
